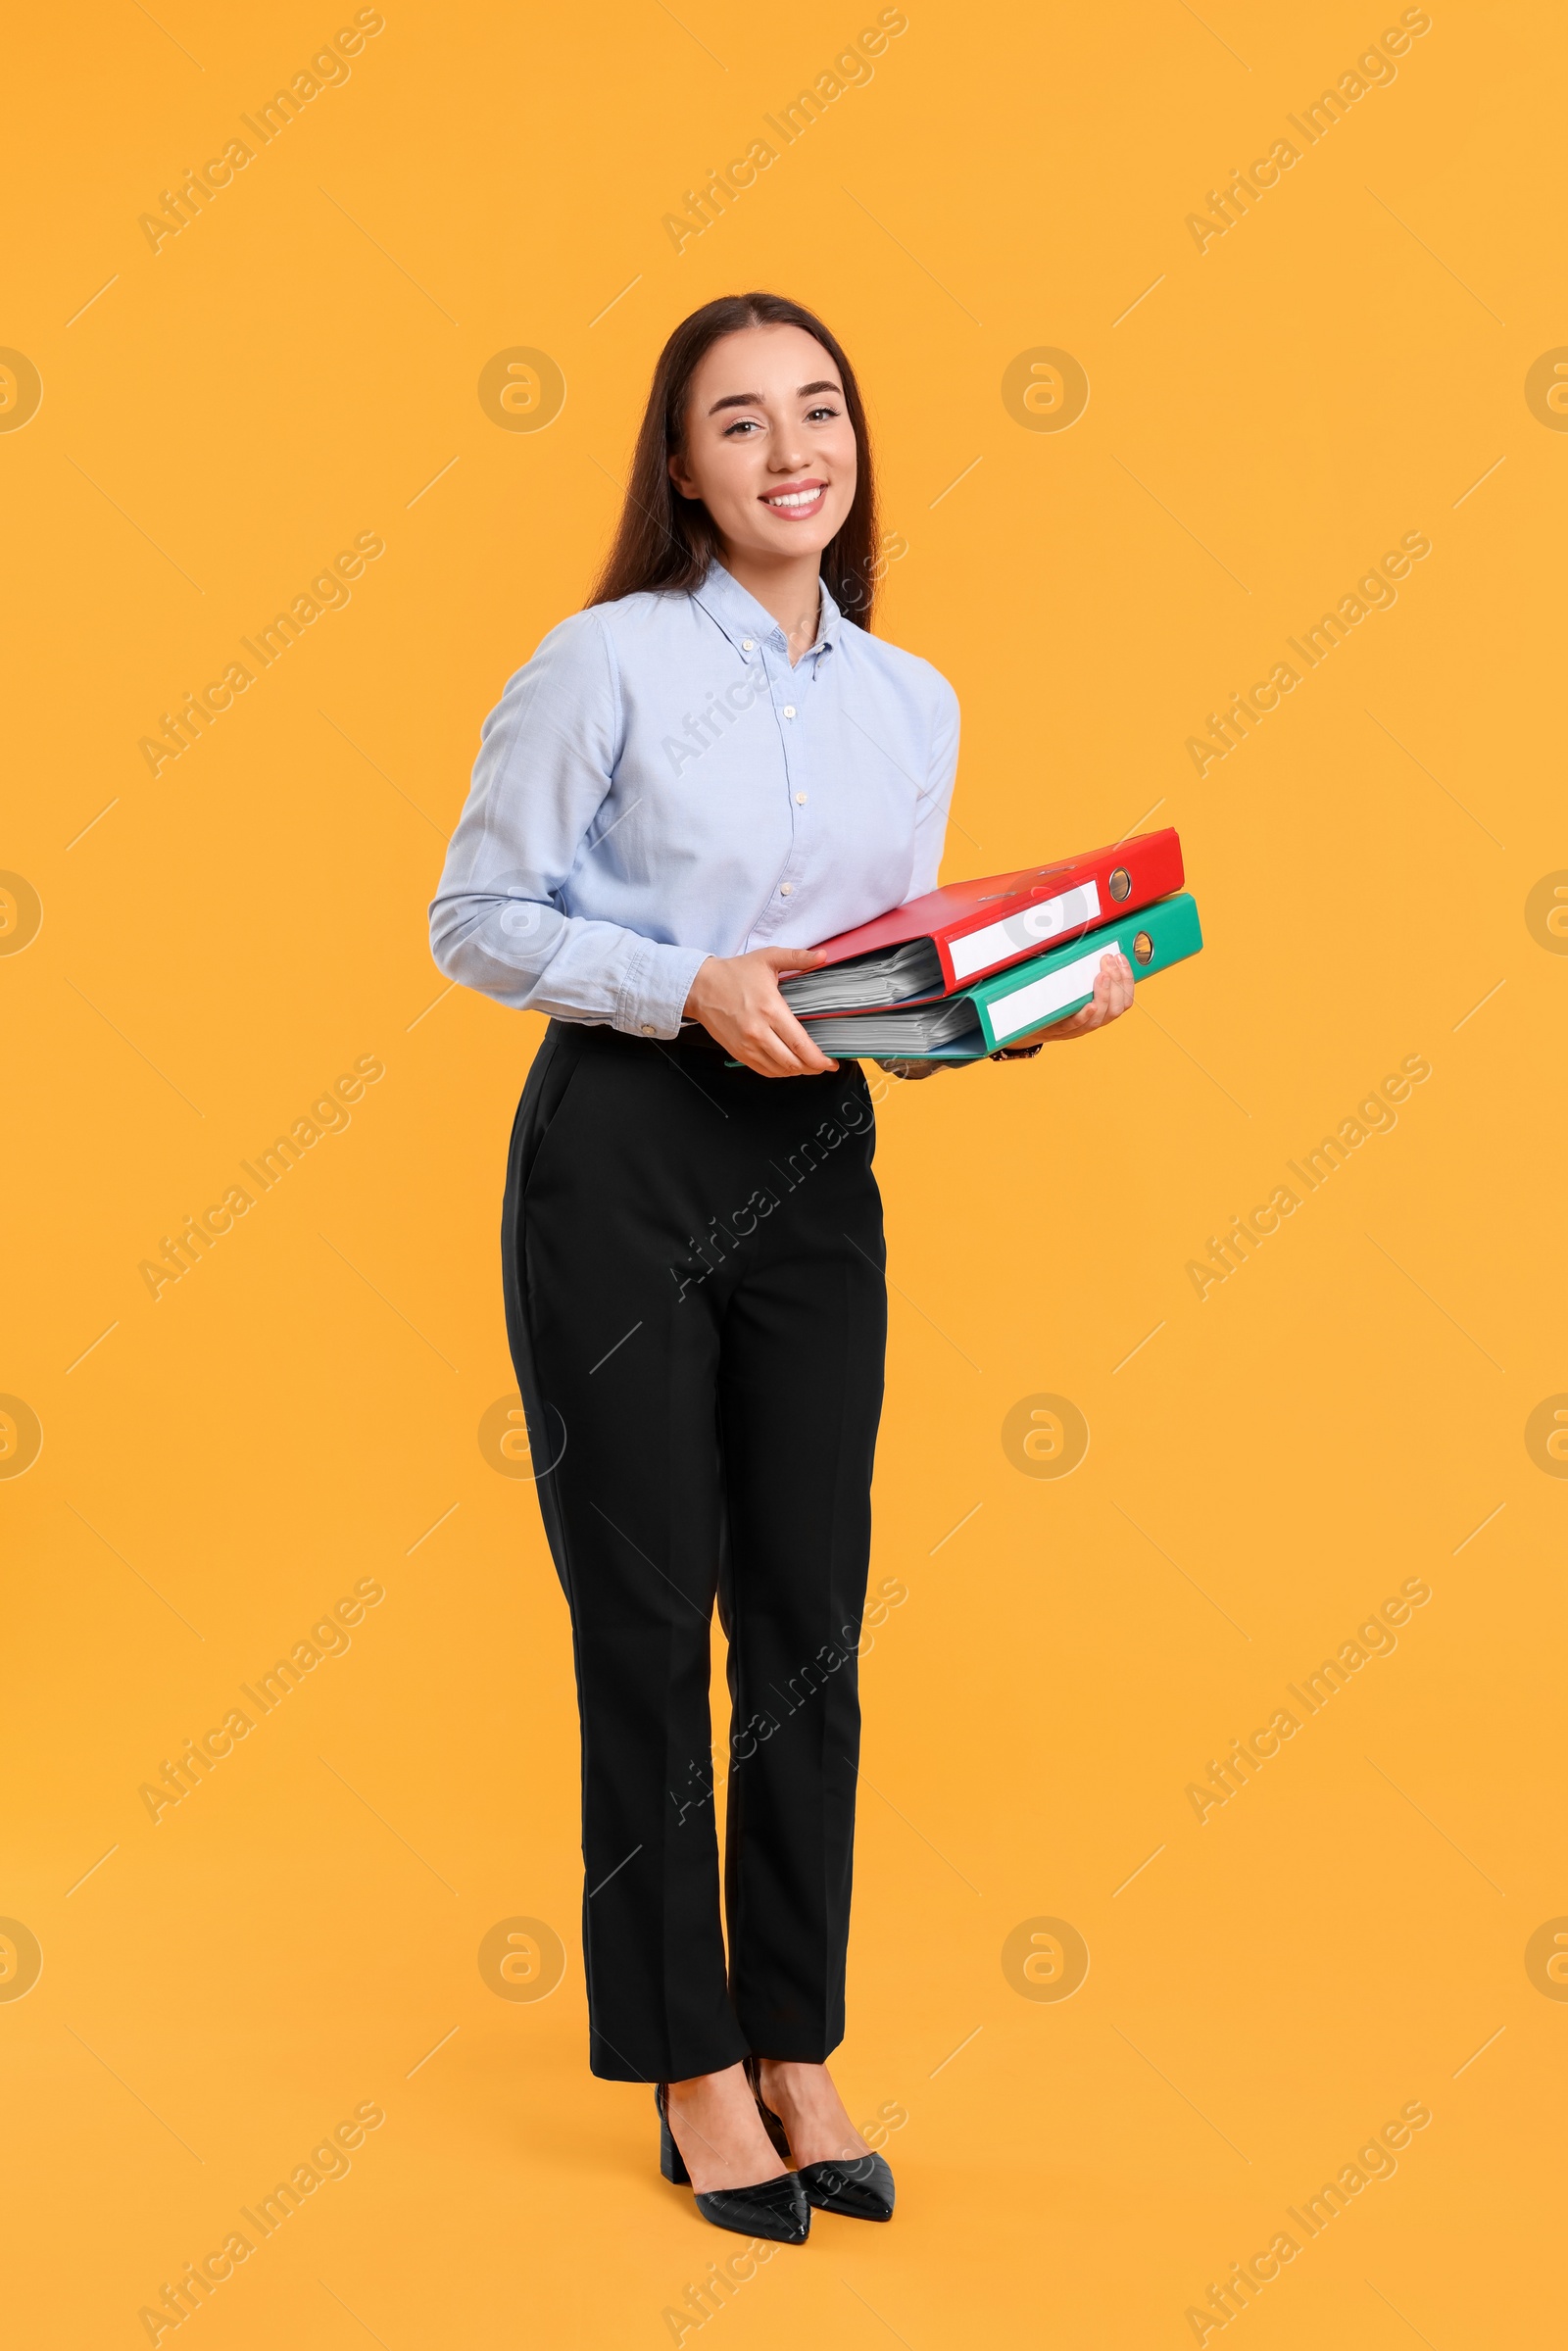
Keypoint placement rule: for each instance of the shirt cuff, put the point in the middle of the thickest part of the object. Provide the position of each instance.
(652, 995)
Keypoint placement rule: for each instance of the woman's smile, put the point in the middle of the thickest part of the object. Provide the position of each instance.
(799, 502)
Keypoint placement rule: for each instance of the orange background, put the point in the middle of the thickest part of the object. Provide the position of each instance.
(300, 1413)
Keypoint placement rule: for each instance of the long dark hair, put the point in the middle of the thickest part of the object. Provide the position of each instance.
(665, 540)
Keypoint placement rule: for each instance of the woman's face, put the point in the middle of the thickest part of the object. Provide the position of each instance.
(769, 445)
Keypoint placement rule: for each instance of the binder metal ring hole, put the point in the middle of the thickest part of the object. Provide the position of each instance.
(1121, 881)
(1143, 948)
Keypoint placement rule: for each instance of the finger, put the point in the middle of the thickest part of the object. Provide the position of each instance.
(768, 1064)
(1114, 970)
(797, 1055)
(805, 1057)
(749, 1039)
(769, 1055)
(795, 958)
(800, 1041)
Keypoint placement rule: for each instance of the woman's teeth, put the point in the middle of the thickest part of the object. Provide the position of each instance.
(795, 498)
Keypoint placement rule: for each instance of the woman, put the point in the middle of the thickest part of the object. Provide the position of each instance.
(709, 768)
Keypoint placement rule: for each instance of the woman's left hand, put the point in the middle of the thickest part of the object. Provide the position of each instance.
(1113, 994)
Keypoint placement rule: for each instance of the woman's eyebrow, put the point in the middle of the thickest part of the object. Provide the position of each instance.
(756, 400)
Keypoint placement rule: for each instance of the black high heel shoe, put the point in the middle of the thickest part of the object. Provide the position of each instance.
(775, 2208)
(858, 2187)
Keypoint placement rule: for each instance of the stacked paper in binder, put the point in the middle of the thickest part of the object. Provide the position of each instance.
(969, 967)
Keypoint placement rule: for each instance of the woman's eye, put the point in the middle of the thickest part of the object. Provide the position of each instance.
(742, 424)
(813, 415)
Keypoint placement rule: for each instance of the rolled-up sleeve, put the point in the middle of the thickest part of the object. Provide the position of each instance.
(936, 794)
(546, 767)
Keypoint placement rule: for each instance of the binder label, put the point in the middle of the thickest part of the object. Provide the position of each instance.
(1029, 1007)
(1032, 927)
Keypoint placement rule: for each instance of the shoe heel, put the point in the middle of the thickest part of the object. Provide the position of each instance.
(672, 2162)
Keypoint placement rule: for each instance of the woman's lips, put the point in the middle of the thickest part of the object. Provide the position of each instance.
(797, 505)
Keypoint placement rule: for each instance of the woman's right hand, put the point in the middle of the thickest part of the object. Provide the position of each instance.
(736, 998)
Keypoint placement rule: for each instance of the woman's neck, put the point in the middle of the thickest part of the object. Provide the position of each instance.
(790, 589)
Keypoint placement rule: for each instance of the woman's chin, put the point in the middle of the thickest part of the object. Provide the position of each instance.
(779, 541)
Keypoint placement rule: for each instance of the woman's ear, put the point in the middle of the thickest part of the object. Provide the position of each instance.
(679, 477)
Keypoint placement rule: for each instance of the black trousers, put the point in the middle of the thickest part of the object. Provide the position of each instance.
(697, 1310)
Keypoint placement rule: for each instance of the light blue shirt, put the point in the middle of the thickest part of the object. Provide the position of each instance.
(659, 784)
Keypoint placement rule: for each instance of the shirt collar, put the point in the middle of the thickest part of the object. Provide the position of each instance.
(739, 615)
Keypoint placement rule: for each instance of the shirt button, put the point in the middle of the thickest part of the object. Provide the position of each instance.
(789, 710)
(649, 1029)
(748, 644)
(799, 800)
(785, 888)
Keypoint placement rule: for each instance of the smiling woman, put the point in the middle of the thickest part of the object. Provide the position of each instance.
(695, 778)
(704, 771)
(701, 435)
